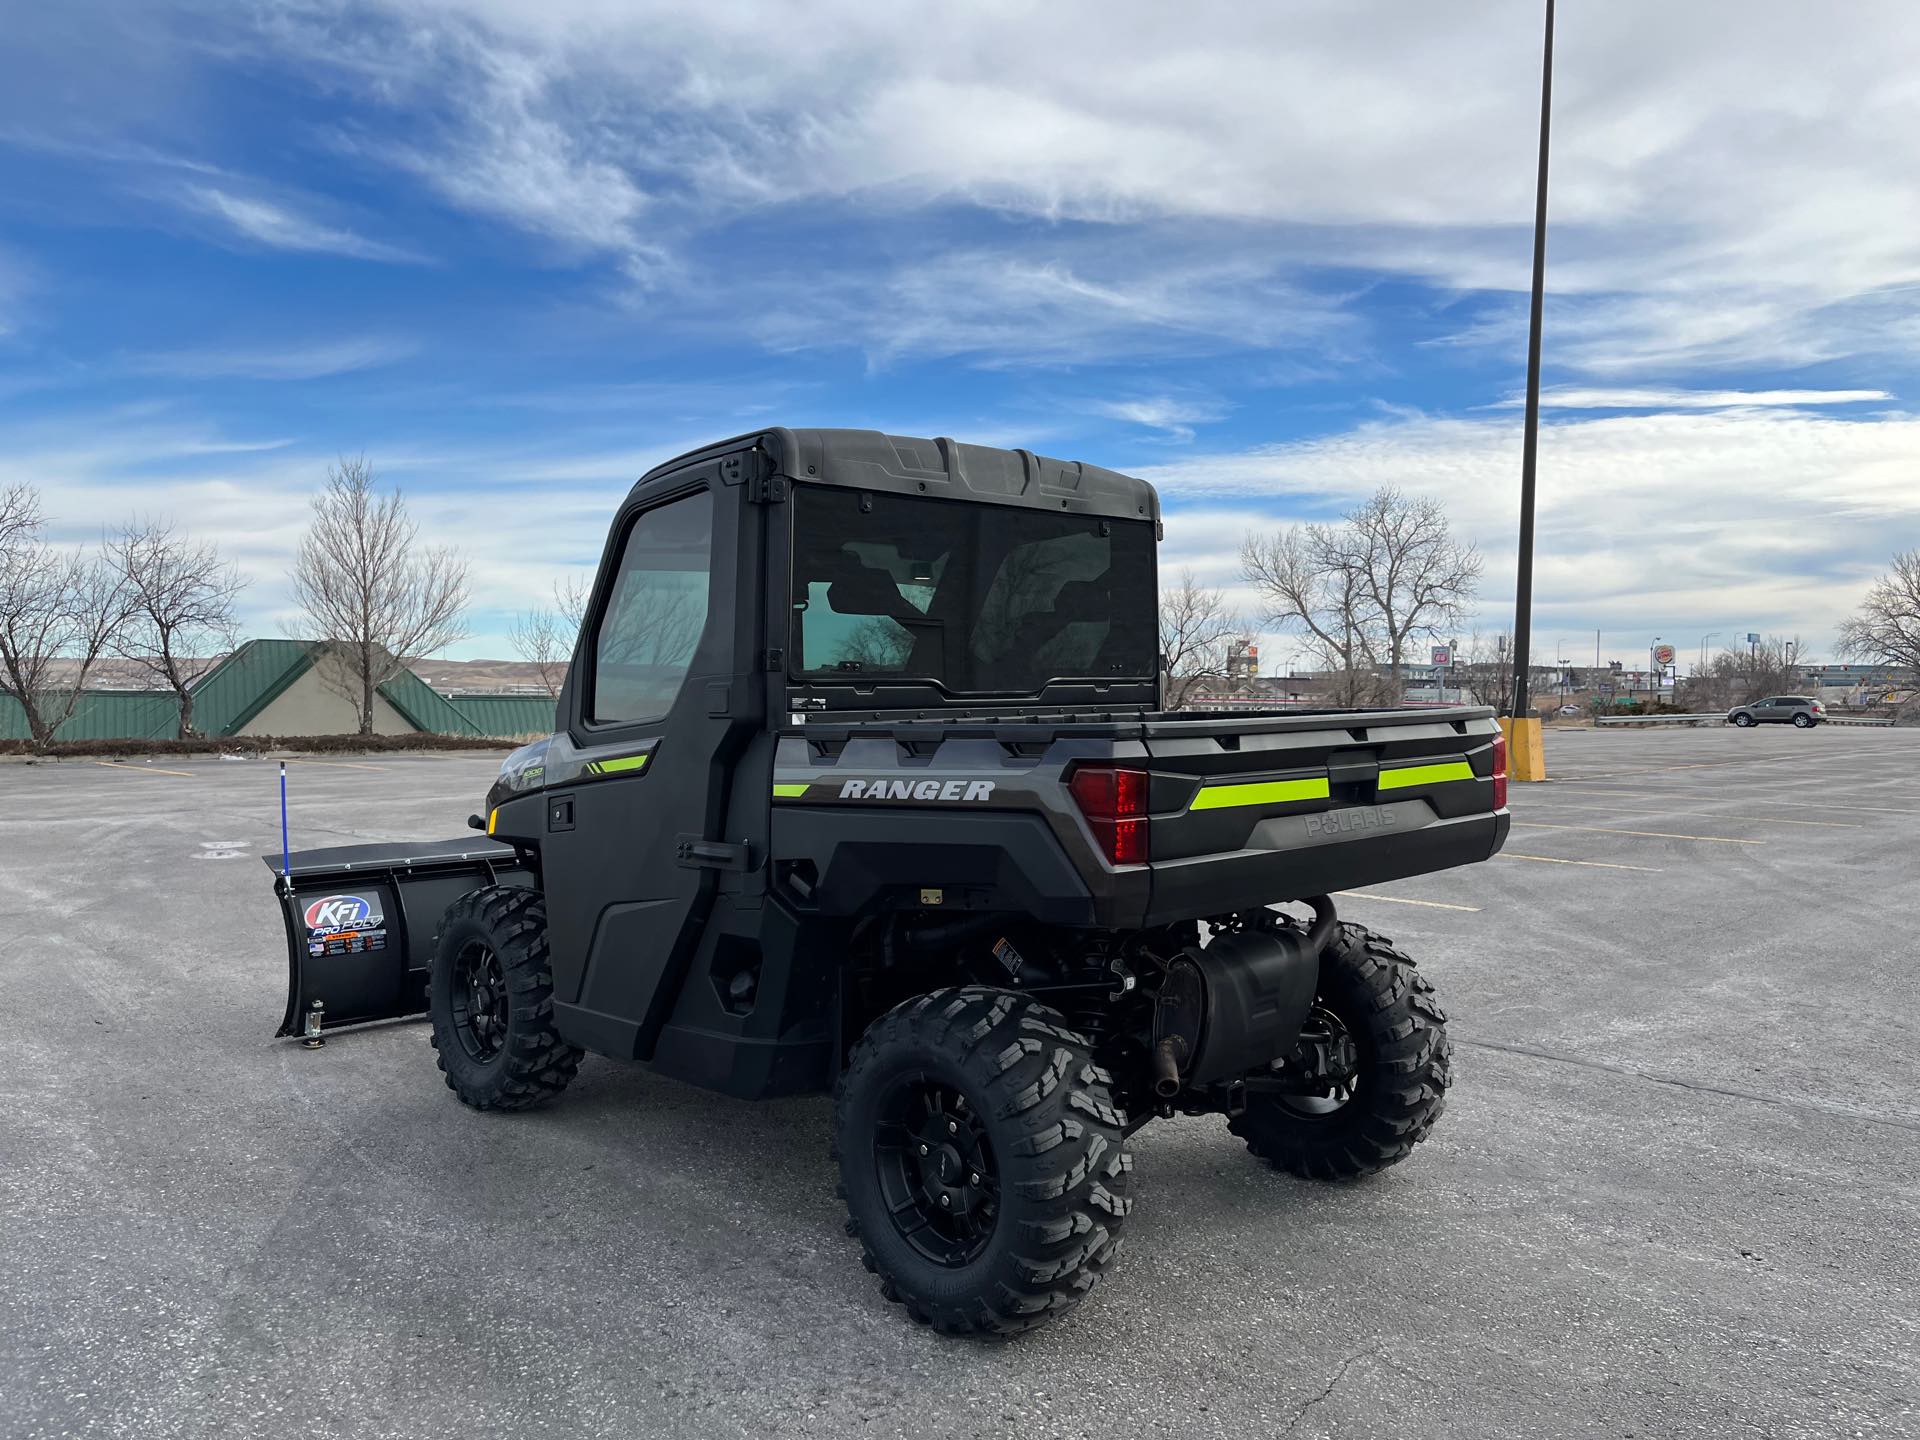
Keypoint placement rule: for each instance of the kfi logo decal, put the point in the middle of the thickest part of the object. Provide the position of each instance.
(341, 912)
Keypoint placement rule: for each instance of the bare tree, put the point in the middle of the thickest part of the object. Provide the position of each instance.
(1419, 579)
(1311, 588)
(1737, 676)
(1363, 591)
(59, 610)
(370, 591)
(570, 597)
(181, 596)
(1485, 669)
(539, 637)
(1196, 629)
(544, 636)
(1885, 630)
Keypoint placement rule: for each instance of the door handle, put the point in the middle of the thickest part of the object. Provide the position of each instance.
(697, 854)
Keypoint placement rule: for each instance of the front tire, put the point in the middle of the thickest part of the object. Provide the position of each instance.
(491, 1001)
(1375, 1009)
(1743, 721)
(983, 1161)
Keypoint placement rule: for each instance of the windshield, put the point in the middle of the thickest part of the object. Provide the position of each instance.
(977, 598)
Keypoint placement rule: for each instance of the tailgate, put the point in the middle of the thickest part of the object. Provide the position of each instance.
(1293, 805)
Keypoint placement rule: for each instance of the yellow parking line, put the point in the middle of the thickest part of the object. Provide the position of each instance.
(1645, 834)
(143, 769)
(1403, 900)
(338, 764)
(1591, 864)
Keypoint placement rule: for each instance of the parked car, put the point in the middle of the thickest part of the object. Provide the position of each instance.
(1779, 710)
(1569, 709)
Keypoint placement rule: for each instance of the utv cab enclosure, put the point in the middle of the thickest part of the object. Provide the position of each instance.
(859, 784)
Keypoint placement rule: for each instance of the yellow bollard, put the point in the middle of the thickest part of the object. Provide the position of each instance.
(1526, 759)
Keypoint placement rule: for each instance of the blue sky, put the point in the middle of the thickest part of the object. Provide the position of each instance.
(1272, 257)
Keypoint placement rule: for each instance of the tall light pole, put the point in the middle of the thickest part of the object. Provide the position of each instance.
(1711, 634)
(1530, 445)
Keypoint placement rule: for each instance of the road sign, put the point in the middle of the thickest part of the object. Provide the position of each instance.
(1663, 654)
(1443, 655)
(1752, 639)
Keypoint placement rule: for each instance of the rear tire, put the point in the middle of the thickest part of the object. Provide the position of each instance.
(1803, 722)
(491, 1000)
(1400, 1081)
(983, 1161)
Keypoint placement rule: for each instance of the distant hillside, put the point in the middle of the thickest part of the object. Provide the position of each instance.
(479, 674)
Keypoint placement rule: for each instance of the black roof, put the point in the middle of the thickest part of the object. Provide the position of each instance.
(940, 467)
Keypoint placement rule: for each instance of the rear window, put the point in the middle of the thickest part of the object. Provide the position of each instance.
(976, 598)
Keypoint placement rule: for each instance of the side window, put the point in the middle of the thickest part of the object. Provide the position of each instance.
(655, 613)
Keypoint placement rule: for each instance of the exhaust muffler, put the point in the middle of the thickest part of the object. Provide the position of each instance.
(1236, 1004)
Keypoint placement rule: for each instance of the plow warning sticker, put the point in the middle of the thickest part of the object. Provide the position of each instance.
(345, 925)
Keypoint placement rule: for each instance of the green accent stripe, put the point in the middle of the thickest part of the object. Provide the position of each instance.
(1262, 792)
(1408, 776)
(619, 765)
(789, 792)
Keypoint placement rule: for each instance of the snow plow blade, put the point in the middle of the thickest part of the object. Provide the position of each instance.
(362, 921)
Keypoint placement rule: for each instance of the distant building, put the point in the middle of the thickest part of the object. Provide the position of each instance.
(295, 688)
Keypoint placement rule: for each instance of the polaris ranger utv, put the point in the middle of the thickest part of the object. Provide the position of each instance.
(859, 784)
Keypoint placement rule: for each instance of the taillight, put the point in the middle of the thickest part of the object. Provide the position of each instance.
(1114, 801)
(1500, 771)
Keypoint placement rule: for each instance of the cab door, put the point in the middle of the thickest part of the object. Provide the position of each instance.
(659, 706)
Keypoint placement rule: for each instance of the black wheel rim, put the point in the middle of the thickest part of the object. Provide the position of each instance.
(479, 1001)
(938, 1179)
(1341, 1058)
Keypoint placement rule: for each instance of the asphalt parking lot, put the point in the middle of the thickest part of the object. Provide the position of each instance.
(1676, 1191)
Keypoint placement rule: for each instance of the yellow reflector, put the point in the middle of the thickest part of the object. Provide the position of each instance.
(1407, 776)
(789, 792)
(1261, 792)
(493, 819)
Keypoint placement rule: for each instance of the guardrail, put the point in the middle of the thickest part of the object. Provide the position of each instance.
(1719, 719)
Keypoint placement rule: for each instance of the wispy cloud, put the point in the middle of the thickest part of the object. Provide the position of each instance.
(1766, 516)
(1714, 205)
(1173, 415)
(1070, 300)
(296, 361)
(1574, 397)
(282, 228)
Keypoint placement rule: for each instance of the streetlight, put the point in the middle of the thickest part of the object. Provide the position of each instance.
(1710, 635)
(1529, 766)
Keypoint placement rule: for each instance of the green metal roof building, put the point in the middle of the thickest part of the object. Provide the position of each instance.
(289, 687)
